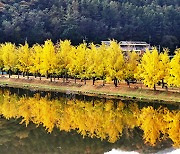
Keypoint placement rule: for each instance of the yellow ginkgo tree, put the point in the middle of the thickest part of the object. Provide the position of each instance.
(9, 57)
(174, 78)
(149, 68)
(24, 59)
(1, 60)
(82, 61)
(115, 62)
(95, 59)
(131, 63)
(65, 52)
(49, 59)
(36, 60)
(100, 63)
(164, 66)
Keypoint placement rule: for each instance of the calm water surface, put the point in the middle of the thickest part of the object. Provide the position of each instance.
(49, 122)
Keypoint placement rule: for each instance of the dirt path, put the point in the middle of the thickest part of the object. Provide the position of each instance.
(136, 91)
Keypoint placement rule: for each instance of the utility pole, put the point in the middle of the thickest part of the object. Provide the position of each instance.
(159, 48)
(149, 39)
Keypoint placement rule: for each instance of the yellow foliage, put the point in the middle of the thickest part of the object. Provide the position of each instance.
(24, 59)
(64, 54)
(132, 61)
(91, 61)
(115, 61)
(174, 78)
(36, 59)
(9, 56)
(49, 58)
(149, 68)
(173, 126)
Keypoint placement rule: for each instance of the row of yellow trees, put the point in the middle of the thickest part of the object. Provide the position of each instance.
(91, 62)
(94, 118)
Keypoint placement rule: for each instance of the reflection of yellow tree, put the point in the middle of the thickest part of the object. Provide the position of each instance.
(9, 108)
(161, 122)
(93, 119)
(150, 121)
(173, 126)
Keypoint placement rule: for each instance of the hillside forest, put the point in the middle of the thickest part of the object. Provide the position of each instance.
(154, 21)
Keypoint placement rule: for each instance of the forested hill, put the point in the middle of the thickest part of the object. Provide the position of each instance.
(154, 21)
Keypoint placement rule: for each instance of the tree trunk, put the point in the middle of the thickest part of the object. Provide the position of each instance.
(84, 80)
(115, 82)
(58, 77)
(27, 75)
(75, 80)
(35, 75)
(103, 82)
(2, 72)
(50, 78)
(40, 76)
(54, 78)
(63, 79)
(163, 84)
(23, 74)
(18, 74)
(47, 75)
(66, 77)
(128, 83)
(166, 88)
(154, 86)
(93, 80)
(9, 73)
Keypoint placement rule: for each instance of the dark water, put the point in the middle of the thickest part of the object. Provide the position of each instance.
(42, 122)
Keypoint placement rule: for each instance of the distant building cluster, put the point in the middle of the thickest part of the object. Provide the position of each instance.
(137, 46)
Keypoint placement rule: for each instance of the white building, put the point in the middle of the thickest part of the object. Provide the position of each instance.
(136, 46)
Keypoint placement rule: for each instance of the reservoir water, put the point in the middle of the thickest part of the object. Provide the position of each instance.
(50, 122)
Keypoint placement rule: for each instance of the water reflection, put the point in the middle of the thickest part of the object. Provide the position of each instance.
(108, 120)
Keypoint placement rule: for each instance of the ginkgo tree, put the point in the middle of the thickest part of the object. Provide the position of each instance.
(1, 60)
(65, 52)
(149, 68)
(101, 65)
(174, 72)
(82, 61)
(95, 60)
(115, 62)
(36, 59)
(164, 67)
(24, 58)
(9, 57)
(104, 62)
(131, 63)
(49, 59)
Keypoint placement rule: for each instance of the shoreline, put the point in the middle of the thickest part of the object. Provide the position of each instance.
(123, 93)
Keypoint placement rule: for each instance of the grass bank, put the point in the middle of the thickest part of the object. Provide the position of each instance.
(109, 91)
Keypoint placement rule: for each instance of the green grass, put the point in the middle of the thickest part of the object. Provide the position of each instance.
(139, 94)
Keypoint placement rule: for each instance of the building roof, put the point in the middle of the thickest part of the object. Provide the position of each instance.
(1, 4)
(128, 43)
(133, 43)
